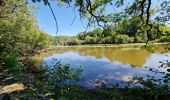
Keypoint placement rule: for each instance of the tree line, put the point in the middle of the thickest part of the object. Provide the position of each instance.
(127, 31)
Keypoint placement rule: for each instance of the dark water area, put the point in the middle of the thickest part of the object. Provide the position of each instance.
(107, 66)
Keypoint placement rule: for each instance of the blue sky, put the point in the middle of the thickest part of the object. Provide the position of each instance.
(64, 17)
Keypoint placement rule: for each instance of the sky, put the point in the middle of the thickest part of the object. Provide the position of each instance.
(64, 16)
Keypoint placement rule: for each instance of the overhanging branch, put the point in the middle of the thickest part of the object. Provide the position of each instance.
(53, 16)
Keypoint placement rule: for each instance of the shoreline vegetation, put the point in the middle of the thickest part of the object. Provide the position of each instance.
(110, 45)
(134, 46)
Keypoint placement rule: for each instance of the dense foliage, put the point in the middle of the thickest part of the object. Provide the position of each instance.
(20, 36)
(127, 31)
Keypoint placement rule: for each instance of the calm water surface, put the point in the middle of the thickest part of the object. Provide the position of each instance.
(108, 65)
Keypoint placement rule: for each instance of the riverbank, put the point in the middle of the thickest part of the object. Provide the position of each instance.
(110, 45)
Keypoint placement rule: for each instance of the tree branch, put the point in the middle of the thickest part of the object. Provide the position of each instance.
(53, 16)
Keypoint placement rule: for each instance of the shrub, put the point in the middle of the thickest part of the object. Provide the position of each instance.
(138, 39)
(90, 40)
(107, 40)
(154, 87)
(130, 39)
(122, 39)
(64, 75)
(73, 42)
(63, 78)
(165, 39)
(11, 63)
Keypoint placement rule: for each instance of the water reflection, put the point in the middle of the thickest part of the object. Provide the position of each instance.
(133, 56)
(105, 66)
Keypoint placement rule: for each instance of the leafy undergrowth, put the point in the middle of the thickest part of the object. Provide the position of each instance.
(40, 90)
(61, 82)
(56, 86)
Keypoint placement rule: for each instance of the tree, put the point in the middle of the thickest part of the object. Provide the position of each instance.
(129, 27)
(20, 36)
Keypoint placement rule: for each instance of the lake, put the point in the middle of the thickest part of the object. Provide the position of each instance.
(109, 65)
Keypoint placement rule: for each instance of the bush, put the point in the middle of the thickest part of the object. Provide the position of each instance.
(130, 39)
(154, 87)
(63, 78)
(73, 42)
(90, 40)
(11, 63)
(165, 39)
(123, 39)
(138, 39)
(107, 40)
(63, 75)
